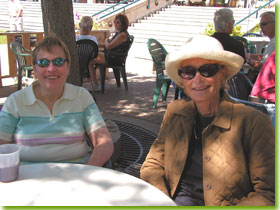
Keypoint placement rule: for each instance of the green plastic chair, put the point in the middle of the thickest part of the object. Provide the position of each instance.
(22, 67)
(250, 48)
(163, 81)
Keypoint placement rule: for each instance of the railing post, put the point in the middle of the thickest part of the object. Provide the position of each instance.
(25, 37)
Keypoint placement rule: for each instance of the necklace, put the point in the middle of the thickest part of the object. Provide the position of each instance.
(201, 125)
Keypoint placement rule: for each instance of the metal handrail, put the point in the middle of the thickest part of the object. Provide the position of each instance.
(123, 7)
(253, 12)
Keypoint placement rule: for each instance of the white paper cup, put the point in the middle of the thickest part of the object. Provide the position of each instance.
(9, 162)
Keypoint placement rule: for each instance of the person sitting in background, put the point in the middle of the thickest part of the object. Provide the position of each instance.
(224, 22)
(51, 119)
(264, 87)
(267, 24)
(211, 150)
(118, 43)
(263, 90)
(85, 29)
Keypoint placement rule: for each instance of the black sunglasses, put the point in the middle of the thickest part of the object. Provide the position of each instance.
(265, 23)
(207, 70)
(45, 62)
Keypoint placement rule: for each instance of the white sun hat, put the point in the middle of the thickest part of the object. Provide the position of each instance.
(205, 47)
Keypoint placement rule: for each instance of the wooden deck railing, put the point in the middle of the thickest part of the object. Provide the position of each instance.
(31, 37)
(26, 38)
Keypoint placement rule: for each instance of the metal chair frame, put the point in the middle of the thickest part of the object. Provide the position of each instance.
(240, 86)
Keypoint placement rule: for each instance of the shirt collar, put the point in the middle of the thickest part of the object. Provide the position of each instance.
(29, 96)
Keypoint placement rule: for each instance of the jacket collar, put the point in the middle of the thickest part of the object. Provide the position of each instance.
(223, 117)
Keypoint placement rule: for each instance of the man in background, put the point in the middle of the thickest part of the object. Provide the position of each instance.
(16, 20)
(85, 29)
(267, 24)
(223, 23)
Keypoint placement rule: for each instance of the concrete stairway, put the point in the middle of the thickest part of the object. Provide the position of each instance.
(172, 26)
(32, 14)
(175, 24)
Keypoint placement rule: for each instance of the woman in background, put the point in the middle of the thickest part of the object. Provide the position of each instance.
(118, 43)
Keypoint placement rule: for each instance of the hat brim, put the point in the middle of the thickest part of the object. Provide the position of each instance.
(231, 61)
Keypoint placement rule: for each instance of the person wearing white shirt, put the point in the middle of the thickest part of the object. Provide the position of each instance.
(85, 29)
(16, 20)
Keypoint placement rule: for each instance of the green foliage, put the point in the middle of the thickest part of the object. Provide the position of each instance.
(210, 30)
(237, 31)
(256, 29)
(3, 38)
(97, 24)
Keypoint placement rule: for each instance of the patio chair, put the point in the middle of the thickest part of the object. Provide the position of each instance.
(257, 106)
(251, 35)
(22, 67)
(118, 66)
(163, 81)
(87, 50)
(250, 48)
(240, 86)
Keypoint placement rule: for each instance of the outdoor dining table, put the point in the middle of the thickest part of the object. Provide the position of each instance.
(260, 42)
(66, 184)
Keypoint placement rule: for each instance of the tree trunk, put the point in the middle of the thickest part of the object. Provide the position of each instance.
(58, 19)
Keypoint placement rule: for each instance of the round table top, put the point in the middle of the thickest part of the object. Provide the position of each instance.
(56, 184)
(258, 39)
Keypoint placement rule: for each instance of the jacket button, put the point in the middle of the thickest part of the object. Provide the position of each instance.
(207, 158)
(207, 186)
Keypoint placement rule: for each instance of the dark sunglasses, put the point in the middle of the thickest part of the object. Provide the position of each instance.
(265, 23)
(207, 70)
(45, 62)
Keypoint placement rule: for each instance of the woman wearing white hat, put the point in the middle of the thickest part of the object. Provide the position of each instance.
(211, 150)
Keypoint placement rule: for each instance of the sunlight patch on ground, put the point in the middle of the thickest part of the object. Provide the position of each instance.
(129, 108)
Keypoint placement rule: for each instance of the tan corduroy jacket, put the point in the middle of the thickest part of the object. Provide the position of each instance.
(238, 154)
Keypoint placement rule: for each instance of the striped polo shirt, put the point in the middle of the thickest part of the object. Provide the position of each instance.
(46, 136)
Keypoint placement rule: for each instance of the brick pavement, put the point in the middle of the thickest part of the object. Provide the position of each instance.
(135, 105)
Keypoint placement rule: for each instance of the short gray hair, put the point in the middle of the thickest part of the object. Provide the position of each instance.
(269, 13)
(222, 18)
(86, 23)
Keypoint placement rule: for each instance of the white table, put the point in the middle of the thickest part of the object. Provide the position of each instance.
(260, 42)
(63, 184)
